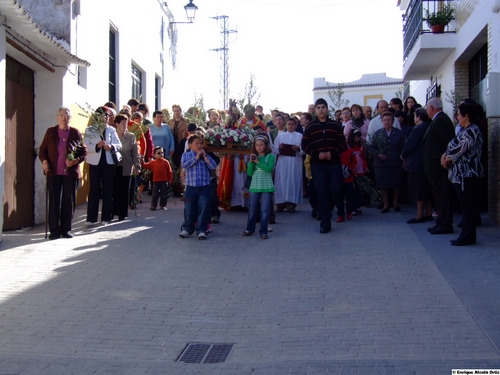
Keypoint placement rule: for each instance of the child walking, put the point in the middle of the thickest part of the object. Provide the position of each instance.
(197, 165)
(261, 188)
(162, 176)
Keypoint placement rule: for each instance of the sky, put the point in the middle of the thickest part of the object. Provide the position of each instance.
(284, 44)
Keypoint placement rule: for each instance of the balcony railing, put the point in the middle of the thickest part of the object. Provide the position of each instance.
(415, 23)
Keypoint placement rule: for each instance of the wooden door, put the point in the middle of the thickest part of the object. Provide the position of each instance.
(19, 146)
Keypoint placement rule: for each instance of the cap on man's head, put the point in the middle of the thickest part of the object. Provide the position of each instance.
(321, 101)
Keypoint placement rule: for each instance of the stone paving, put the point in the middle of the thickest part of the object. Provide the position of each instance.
(374, 296)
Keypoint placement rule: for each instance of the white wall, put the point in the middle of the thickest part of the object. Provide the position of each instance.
(138, 34)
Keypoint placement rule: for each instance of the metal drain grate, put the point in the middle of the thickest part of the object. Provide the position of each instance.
(205, 353)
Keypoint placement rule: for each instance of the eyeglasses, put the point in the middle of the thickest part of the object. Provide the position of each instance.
(160, 153)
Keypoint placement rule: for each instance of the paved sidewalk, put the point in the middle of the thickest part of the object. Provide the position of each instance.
(374, 296)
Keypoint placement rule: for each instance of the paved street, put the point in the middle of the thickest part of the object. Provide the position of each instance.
(374, 296)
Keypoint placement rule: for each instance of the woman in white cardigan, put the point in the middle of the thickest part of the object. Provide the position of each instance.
(98, 137)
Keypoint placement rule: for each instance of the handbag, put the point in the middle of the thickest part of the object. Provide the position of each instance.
(114, 155)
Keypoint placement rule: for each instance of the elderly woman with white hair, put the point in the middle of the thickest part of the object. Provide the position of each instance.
(61, 153)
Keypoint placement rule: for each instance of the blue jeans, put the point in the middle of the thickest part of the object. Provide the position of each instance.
(328, 182)
(196, 209)
(263, 202)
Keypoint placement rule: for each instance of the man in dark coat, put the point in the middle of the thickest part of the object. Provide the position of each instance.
(440, 132)
(325, 142)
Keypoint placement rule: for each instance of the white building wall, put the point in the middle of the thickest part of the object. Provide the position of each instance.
(139, 40)
(374, 87)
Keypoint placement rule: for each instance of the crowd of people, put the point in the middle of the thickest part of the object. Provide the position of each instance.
(404, 149)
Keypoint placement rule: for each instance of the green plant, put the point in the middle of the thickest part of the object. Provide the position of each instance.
(442, 16)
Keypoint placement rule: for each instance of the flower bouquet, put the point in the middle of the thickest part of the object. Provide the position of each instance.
(74, 150)
(229, 141)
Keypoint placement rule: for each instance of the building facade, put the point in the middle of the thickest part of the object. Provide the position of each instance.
(461, 62)
(75, 53)
(367, 90)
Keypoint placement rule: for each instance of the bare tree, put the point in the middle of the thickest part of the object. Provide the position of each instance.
(250, 95)
(336, 93)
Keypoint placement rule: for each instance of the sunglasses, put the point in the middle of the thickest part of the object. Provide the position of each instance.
(159, 153)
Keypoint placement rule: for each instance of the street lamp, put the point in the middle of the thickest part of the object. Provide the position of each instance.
(190, 12)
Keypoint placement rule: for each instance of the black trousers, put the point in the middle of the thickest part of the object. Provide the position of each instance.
(62, 203)
(121, 193)
(470, 201)
(160, 191)
(101, 175)
(442, 191)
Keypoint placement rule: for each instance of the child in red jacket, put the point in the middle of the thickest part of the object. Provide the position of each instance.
(349, 163)
(355, 142)
(162, 176)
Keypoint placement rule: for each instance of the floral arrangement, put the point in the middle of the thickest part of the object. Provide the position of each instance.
(74, 148)
(219, 136)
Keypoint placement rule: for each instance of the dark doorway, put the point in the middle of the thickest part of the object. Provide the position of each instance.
(19, 190)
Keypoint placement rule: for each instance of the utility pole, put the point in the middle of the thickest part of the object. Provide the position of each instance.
(224, 56)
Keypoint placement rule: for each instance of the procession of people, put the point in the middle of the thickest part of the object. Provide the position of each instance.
(344, 162)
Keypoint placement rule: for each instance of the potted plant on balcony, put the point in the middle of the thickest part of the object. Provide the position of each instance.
(439, 19)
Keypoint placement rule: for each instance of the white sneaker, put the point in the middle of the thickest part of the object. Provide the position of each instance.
(202, 236)
(269, 229)
(105, 222)
(183, 234)
(90, 224)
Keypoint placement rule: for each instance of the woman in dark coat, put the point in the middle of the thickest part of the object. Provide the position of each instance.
(419, 187)
(386, 146)
(61, 153)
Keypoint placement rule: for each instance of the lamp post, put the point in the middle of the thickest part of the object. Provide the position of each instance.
(190, 12)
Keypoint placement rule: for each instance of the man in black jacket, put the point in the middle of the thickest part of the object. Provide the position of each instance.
(440, 132)
(324, 141)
